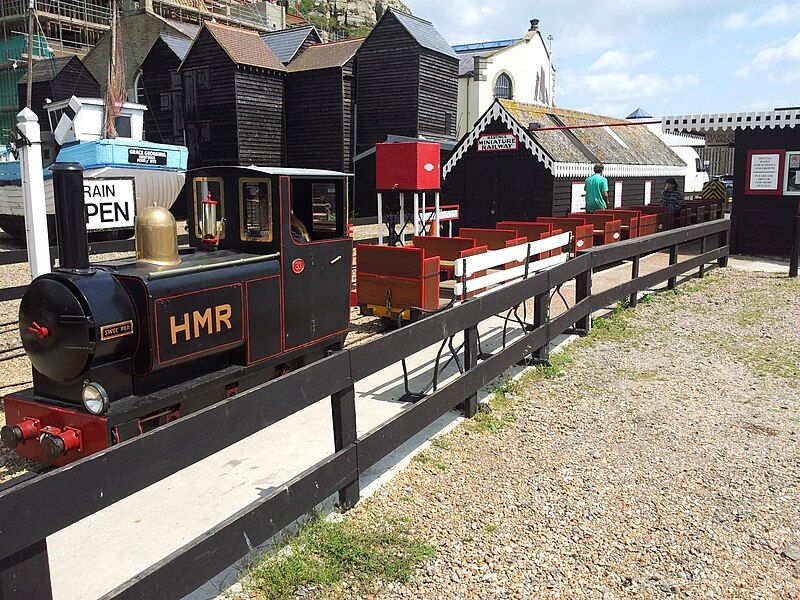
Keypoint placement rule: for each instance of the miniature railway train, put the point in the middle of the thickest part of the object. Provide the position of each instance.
(121, 347)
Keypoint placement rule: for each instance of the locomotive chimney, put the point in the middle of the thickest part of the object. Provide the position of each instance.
(73, 243)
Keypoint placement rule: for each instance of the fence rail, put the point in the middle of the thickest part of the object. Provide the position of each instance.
(37, 507)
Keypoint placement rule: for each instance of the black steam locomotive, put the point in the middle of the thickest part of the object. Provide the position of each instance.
(121, 347)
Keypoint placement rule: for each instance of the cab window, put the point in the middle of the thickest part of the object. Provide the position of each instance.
(323, 196)
(208, 189)
(255, 198)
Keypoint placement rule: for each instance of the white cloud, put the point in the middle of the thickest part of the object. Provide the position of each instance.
(618, 60)
(780, 14)
(770, 58)
(613, 88)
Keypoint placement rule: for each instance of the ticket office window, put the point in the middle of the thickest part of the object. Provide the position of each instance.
(255, 203)
(208, 189)
(792, 178)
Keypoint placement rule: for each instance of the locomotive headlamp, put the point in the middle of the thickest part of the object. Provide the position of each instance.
(95, 398)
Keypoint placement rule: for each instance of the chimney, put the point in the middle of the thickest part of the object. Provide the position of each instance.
(534, 25)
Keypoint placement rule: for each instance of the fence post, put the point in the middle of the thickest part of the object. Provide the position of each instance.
(33, 202)
(634, 298)
(26, 574)
(723, 241)
(583, 290)
(701, 272)
(793, 263)
(541, 309)
(343, 405)
(470, 404)
(673, 259)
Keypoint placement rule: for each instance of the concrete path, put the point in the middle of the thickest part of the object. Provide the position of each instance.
(100, 552)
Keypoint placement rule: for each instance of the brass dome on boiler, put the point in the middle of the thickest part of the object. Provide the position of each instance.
(156, 237)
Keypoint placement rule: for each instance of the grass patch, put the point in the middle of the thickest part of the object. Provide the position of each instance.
(326, 555)
(492, 422)
(441, 443)
(763, 356)
(428, 460)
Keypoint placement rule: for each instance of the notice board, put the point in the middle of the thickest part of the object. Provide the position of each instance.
(764, 172)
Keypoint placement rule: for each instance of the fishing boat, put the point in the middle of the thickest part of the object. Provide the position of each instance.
(105, 136)
(158, 170)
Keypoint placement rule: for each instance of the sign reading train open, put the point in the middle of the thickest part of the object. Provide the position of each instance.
(110, 203)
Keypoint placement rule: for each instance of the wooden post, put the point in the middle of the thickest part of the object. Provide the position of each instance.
(380, 219)
(583, 290)
(795, 259)
(343, 405)
(541, 308)
(673, 259)
(701, 272)
(634, 299)
(26, 574)
(30, 159)
(723, 241)
(470, 404)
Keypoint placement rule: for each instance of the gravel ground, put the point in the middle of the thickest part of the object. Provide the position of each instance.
(665, 464)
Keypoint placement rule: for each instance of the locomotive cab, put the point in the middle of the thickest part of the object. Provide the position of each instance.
(122, 346)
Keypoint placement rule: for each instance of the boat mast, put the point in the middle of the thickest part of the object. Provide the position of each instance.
(31, 21)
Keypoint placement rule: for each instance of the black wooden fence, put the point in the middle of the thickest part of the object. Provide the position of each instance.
(34, 507)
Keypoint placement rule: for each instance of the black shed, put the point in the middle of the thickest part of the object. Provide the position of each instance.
(506, 169)
(159, 88)
(56, 79)
(288, 44)
(233, 87)
(320, 89)
(407, 82)
(766, 173)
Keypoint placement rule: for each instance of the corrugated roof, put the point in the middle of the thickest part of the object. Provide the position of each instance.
(179, 44)
(637, 145)
(424, 32)
(46, 70)
(481, 46)
(325, 56)
(244, 47)
(286, 42)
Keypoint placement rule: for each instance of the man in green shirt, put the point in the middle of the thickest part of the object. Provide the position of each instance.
(596, 188)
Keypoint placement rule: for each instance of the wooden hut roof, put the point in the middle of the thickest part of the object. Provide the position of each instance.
(629, 151)
(179, 44)
(423, 32)
(287, 42)
(47, 70)
(326, 56)
(244, 47)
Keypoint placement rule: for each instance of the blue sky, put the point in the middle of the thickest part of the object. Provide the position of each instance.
(667, 56)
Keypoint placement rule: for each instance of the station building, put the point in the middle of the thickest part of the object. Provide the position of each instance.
(523, 161)
(766, 173)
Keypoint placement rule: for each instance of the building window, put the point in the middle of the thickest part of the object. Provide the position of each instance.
(165, 101)
(449, 120)
(138, 89)
(502, 87)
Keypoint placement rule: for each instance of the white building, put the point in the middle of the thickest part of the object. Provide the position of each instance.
(519, 69)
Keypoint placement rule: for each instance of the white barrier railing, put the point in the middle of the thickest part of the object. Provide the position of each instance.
(494, 263)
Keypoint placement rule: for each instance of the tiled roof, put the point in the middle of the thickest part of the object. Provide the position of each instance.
(179, 44)
(467, 53)
(424, 32)
(636, 145)
(286, 42)
(244, 47)
(325, 56)
(46, 70)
